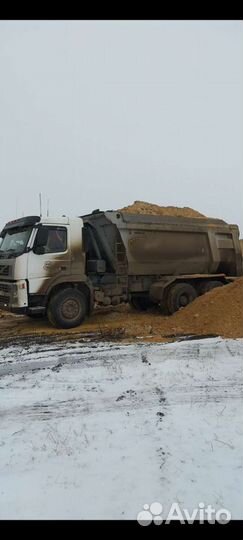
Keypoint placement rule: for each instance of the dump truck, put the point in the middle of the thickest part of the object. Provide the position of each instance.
(64, 267)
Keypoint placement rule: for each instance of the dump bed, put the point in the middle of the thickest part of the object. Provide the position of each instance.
(165, 245)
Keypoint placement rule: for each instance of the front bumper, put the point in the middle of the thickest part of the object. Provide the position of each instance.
(14, 296)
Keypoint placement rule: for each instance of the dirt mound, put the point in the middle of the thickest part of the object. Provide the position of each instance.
(142, 207)
(219, 311)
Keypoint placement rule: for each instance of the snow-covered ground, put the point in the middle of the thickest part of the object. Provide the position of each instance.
(93, 431)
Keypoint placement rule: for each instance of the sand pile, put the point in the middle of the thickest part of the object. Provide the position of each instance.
(142, 207)
(219, 311)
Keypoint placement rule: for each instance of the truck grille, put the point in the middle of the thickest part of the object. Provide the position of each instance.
(4, 293)
(4, 270)
(4, 300)
(4, 288)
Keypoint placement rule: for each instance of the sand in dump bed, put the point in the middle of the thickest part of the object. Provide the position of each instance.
(142, 207)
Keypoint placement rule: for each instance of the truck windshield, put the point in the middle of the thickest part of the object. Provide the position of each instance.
(14, 242)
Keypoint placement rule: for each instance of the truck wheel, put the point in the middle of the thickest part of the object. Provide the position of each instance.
(140, 304)
(67, 308)
(209, 285)
(180, 295)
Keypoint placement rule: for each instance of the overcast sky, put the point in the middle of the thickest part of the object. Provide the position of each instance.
(99, 114)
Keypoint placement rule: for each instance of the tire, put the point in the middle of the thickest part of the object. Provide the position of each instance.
(209, 285)
(67, 308)
(180, 295)
(140, 303)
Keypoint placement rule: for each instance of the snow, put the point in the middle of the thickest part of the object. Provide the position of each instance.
(95, 431)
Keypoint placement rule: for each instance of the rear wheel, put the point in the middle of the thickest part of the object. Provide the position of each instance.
(180, 295)
(209, 285)
(67, 308)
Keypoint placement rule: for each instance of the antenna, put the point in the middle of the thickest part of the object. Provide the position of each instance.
(48, 205)
(40, 201)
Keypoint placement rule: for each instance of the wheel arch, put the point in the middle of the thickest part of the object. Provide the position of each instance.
(85, 288)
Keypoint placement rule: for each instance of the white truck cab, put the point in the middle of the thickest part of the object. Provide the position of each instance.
(39, 259)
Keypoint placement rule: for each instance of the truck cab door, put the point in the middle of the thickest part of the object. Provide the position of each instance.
(49, 260)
